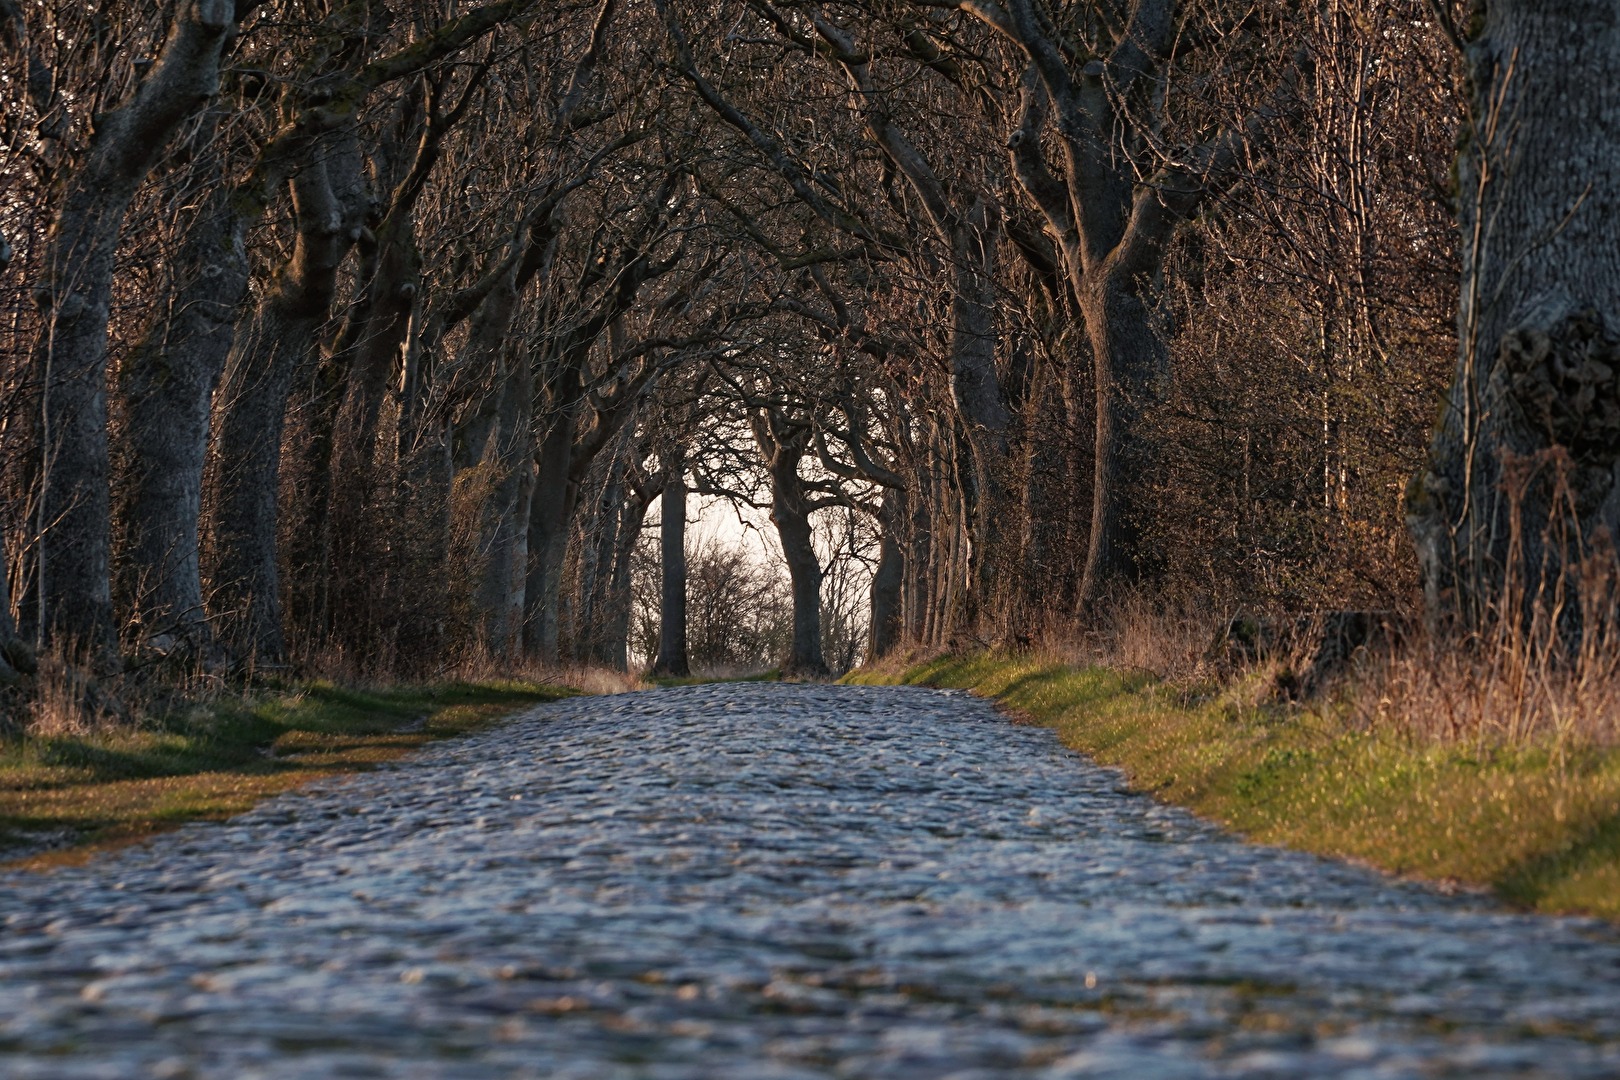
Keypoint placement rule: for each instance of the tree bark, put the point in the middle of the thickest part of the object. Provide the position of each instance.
(1111, 214)
(74, 556)
(613, 620)
(555, 495)
(1131, 367)
(11, 648)
(504, 539)
(1520, 486)
(982, 405)
(251, 408)
(783, 448)
(804, 573)
(969, 226)
(598, 550)
(672, 651)
(619, 595)
(919, 559)
(423, 508)
(165, 388)
(889, 580)
(366, 362)
(345, 463)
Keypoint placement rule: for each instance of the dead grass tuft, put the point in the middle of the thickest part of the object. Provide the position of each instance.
(1489, 697)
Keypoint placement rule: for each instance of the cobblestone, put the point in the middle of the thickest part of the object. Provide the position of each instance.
(768, 882)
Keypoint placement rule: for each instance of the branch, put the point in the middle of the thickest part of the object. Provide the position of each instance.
(906, 157)
(445, 41)
(586, 68)
(796, 175)
(1144, 45)
(1029, 164)
(1176, 192)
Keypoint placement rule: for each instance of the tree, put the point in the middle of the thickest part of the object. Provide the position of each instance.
(332, 205)
(1123, 189)
(74, 588)
(671, 658)
(1520, 487)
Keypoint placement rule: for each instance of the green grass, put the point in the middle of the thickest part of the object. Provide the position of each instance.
(1538, 824)
(211, 761)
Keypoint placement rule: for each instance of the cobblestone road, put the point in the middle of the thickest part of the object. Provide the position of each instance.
(760, 882)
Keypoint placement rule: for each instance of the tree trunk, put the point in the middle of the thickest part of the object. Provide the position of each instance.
(783, 448)
(982, 406)
(504, 534)
(1131, 368)
(8, 629)
(1520, 484)
(555, 494)
(360, 496)
(10, 646)
(426, 598)
(251, 407)
(888, 581)
(165, 388)
(74, 558)
(804, 571)
(672, 653)
(241, 529)
(615, 618)
(919, 558)
(597, 552)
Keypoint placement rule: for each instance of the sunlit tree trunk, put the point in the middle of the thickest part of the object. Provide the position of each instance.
(1131, 368)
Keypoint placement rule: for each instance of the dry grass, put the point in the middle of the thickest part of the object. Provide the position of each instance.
(62, 706)
(1170, 639)
(1488, 699)
(593, 680)
(1517, 685)
(477, 664)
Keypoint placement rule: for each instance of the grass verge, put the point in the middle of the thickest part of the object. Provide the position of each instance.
(1539, 823)
(84, 794)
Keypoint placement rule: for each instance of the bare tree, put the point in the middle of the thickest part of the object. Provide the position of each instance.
(74, 524)
(1121, 193)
